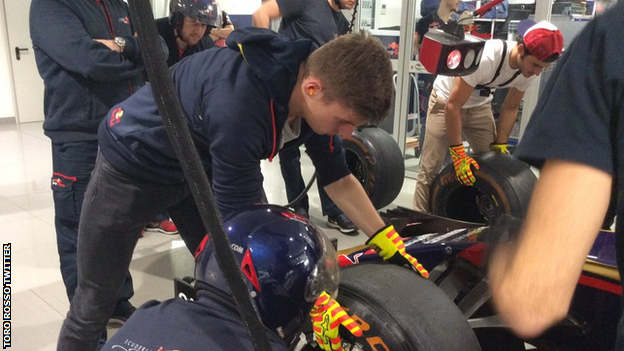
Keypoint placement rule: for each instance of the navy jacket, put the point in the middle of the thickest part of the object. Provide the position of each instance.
(83, 78)
(212, 323)
(166, 32)
(236, 106)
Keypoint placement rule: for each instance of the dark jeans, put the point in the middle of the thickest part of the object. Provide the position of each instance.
(290, 165)
(116, 209)
(72, 164)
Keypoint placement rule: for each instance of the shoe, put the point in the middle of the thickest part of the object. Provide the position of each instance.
(123, 311)
(165, 227)
(302, 212)
(342, 223)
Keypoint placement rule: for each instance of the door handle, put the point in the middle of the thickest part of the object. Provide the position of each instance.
(18, 52)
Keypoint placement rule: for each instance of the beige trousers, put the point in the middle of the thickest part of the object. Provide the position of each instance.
(477, 126)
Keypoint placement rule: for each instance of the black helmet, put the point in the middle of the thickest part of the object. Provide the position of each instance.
(205, 11)
(286, 261)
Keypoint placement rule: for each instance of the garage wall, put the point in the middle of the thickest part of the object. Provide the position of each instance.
(7, 104)
(232, 7)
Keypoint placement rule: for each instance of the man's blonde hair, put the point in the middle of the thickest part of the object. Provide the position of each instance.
(356, 71)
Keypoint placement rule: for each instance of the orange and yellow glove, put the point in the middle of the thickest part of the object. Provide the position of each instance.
(327, 315)
(389, 245)
(462, 164)
(500, 147)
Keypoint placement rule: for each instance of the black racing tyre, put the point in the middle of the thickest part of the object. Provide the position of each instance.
(503, 186)
(400, 311)
(375, 159)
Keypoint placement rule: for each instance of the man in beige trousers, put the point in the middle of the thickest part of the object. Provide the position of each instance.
(463, 104)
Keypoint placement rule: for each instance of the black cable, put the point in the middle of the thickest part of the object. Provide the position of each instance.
(179, 134)
(353, 15)
(303, 193)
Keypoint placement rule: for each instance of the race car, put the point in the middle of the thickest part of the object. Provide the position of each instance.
(401, 311)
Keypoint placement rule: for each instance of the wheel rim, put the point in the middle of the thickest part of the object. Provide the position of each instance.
(357, 167)
(470, 204)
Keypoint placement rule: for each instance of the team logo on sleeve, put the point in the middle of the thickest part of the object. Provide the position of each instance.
(116, 116)
(125, 20)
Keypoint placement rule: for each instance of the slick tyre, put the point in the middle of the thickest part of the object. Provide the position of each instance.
(503, 186)
(375, 159)
(400, 311)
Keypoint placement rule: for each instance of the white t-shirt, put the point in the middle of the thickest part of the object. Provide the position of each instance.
(290, 132)
(490, 59)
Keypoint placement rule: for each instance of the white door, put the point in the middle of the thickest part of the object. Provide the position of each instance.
(28, 84)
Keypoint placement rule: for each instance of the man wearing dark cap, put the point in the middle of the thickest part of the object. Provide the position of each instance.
(463, 104)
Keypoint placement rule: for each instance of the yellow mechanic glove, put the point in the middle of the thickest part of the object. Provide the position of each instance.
(389, 245)
(500, 147)
(327, 315)
(462, 164)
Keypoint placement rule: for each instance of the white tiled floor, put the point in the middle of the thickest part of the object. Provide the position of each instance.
(38, 296)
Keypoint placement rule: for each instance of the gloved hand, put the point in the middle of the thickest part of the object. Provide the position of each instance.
(500, 147)
(327, 315)
(390, 247)
(462, 165)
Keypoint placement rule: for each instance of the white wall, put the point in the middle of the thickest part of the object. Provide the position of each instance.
(7, 104)
(160, 8)
(232, 7)
(240, 7)
(388, 17)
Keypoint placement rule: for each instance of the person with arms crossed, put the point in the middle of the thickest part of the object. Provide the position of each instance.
(219, 34)
(463, 104)
(94, 64)
(575, 137)
(242, 104)
(319, 21)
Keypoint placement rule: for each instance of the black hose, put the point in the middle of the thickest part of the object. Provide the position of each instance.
(179, 134)
(299, 197)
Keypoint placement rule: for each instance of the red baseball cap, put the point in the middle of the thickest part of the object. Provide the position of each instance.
(543, 39)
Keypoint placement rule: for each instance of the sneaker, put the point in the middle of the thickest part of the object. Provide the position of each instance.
(342, 223)
(123, 311)
(165, 227)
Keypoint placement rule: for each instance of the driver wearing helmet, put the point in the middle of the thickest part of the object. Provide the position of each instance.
(186, 29)
(289, 268)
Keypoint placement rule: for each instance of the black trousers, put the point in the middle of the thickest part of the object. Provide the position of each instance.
(72, 164)
(115, 209)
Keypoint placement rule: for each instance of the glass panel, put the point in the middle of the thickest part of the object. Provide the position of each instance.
(383, 18)
(419, 85)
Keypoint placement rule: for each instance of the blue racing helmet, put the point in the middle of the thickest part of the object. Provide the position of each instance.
(286, 261)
